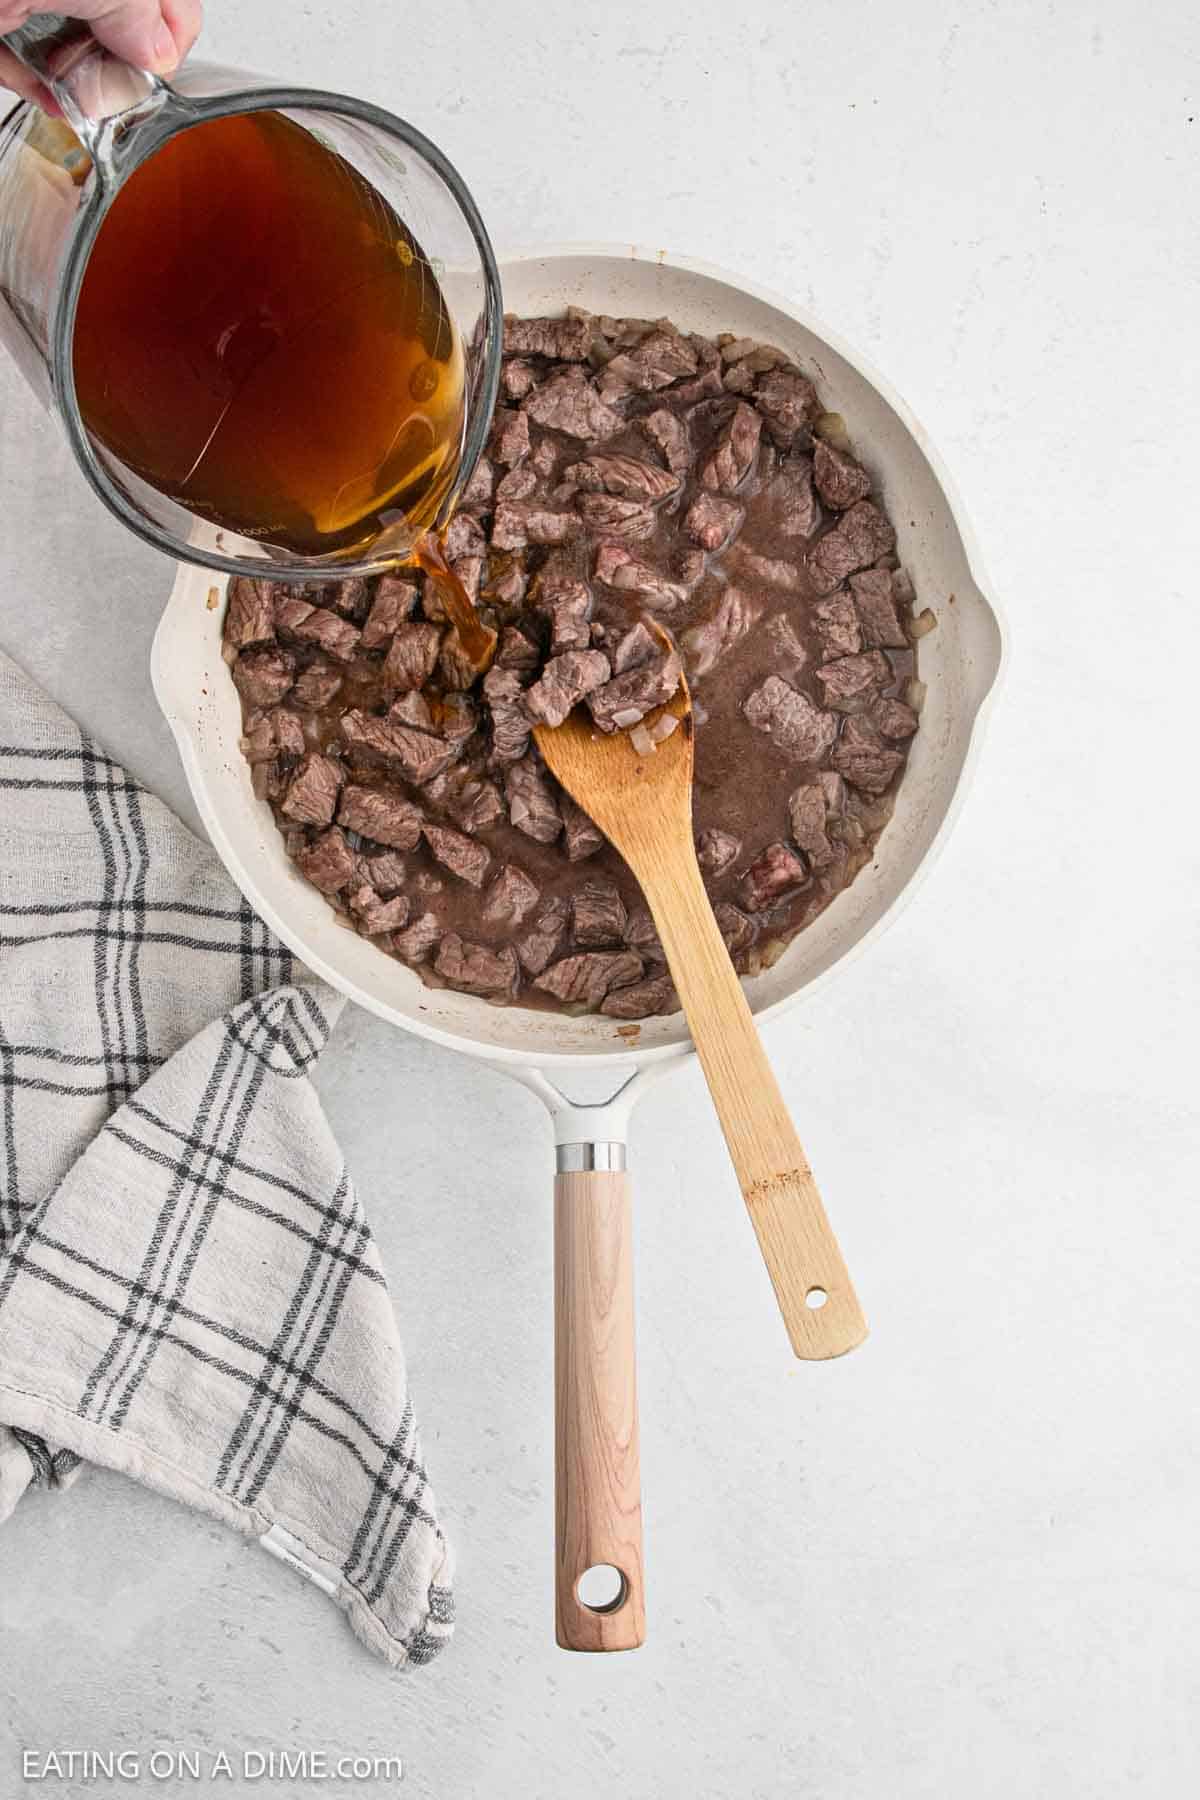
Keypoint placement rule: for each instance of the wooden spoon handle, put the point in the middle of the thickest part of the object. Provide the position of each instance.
(819, 1306)
(598, 1501)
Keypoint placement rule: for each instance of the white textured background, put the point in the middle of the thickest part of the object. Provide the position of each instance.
(964, 1562)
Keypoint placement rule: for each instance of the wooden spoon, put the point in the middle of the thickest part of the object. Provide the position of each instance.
(643, 804)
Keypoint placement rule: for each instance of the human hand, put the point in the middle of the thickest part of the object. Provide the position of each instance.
(150, 34)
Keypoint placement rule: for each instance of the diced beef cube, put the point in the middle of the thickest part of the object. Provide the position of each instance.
(393, 604)
(468, 571)
(317, 686)
(875, 599)
(386, 871)
(507, 579)
(517, 378)
(510, 898)
(313, 791)
(778, 871)
(581, 837)
(834, 790)
(793, 496)
(860, 537)
(738, 931)
(568, 606)
(275, 733)
(414, 945)
(351, 598)
(808, 815)
(418, 756)
(412, 656)
(626, 699)
(711, 521)
(641, 934)
(263, 677)
(517, 652)
(470, 800)
(257, 742)
(705, 387)
(786, 642)
(378, 917)
(735, 452)
(894, 718)
(518, 484)
(598, 915)
(563, 340)
(717, 851)
(788, 402)
(688, 565)
(634, 648)
(738, 379)
(862, 757)
(250, 614)
(642, 999)
(477, 495)
(836, 623)
(790, 720)
(328, 862)
(669, 435)
(590, 975)
(462, 855)
(628, 477)
(474, 969)
(531, 803)
(290, 608)
(457, 668)
(544, 939)
(512, 442)
(619, 568)
(458, 718)
(770, 571)
(705, 643)
(568, 402)
(412, 709)
(504, 695)
(520, 522)
(606, 513)
(331, 633)
(382, 814)
(854, 675)
(563, 683)
(544, 456)
(840, 479)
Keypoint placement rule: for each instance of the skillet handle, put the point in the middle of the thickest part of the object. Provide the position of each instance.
(597, 1479)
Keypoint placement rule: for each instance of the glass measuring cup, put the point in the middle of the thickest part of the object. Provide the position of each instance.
(58, 181)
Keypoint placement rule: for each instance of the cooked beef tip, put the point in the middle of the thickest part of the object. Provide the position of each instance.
(477, 495)
(275, 733)
(562, 340)
(738, 379)
(564, 682)
(894, 718)
(568, 402)
(658, 360)
(615, 517)
(717, 851)
(313, 790)
(412, 656)
(874, 596)
(418, 756)
(257, 742)
(456, 669)
(543, 941)
(458, 718)
(328, 861)
(853, 675)
(333, 634)
(712, 521)
(836, 624)
(471, 801)
(462, 855)
(792, 492)
(250, 614)
(290, 608)
(641, 934)
(598, 917)
(412, 709)
(568, 606)
(414, 945)
(790, 719)
(738, 931)
(352, 598)
(544, 457)
(705, 387)
(504, 695)
(669, 435)
(581, 837)
(860, 537)
(511, 897)
(788, 402)
(705, 644)
(778, 871)
(386, 871)
(834, 790)
(382, 814)
(531, 804)
(589, 976)
(633, 649)
(862, 757)
(641, 1000)
(263, 677)
(317, 686)
(517, 652)
(393, 604)
(507, 582)
(621, 569)
(626, 699)
(808, 812)
(625, 476)
(735, 452)
(378, 917)
(517, 378)
(474, 969)
(518, 484)
(512, 443)
(771, 571)
(520, 522)
(469, 573)
(840, 479)
(786, 642)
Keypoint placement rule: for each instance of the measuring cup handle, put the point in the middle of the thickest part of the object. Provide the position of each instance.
(92, 86)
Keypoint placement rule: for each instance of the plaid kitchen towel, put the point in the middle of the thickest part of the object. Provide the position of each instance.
(189, 1292)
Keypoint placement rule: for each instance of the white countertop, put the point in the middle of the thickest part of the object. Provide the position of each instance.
(964, 1561)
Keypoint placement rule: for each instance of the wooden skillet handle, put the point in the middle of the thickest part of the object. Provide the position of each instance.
(597, 1481)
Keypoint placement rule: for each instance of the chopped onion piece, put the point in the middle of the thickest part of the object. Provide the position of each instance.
(923, 624)
(832, 427)
(628, 715)
(662, 728)
(642, 741)
(914, 694)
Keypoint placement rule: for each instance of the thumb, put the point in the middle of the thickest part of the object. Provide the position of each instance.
(134, 30)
